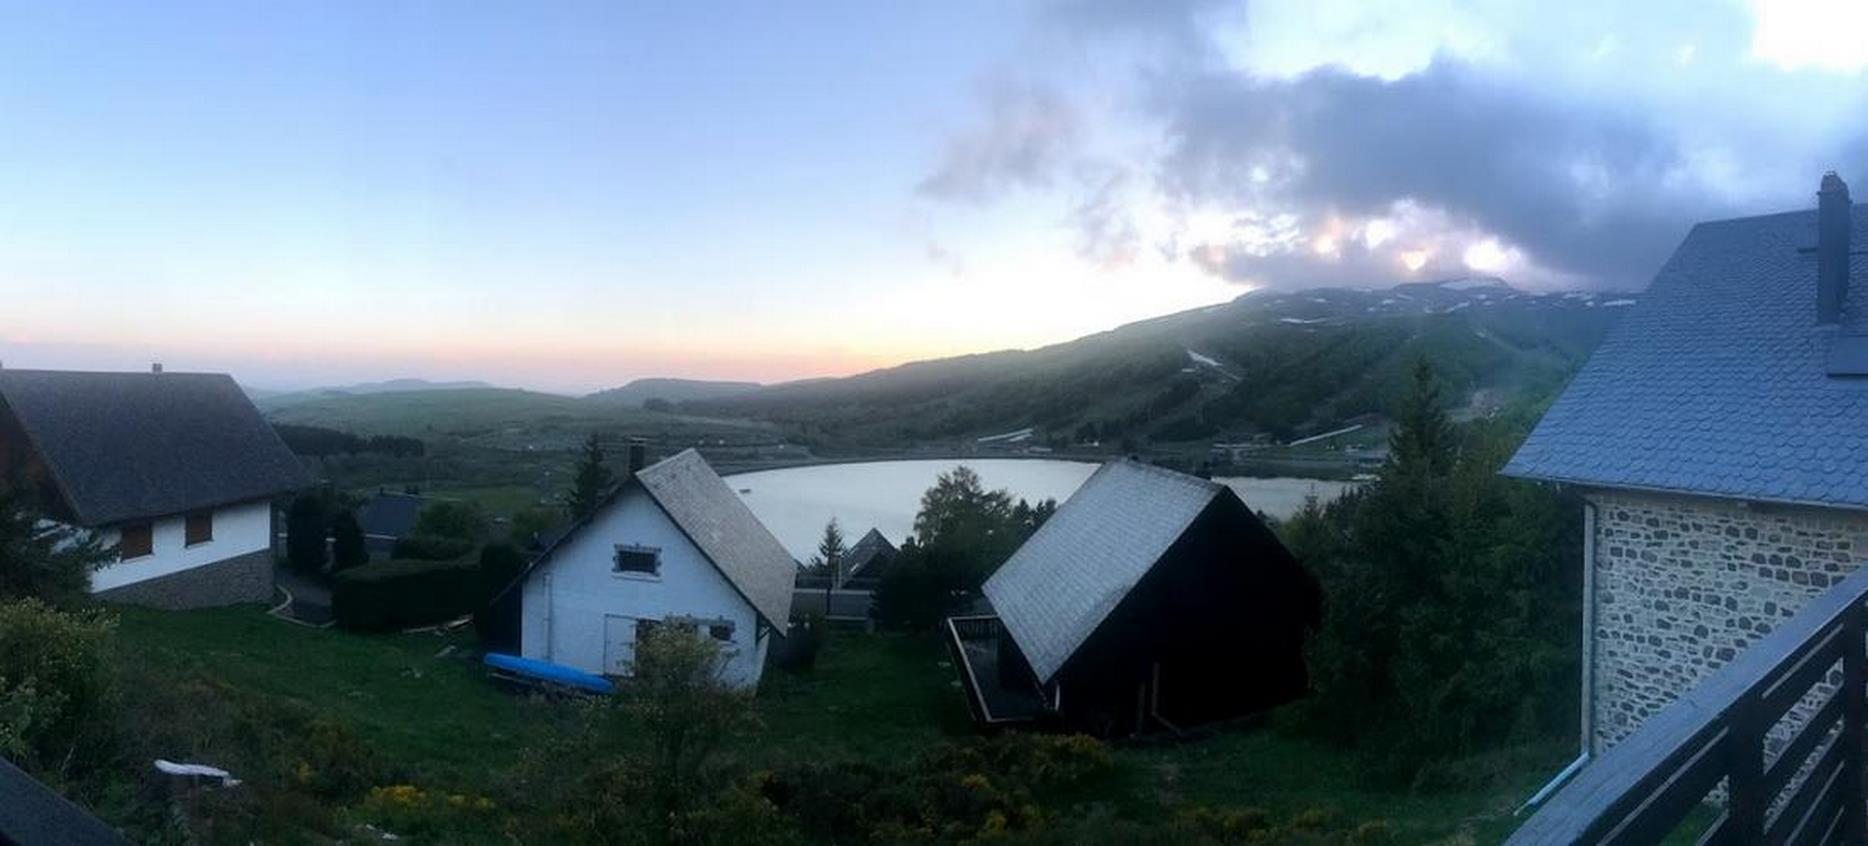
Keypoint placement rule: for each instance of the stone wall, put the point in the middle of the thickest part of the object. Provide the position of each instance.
(1683, 583)
(242, 578)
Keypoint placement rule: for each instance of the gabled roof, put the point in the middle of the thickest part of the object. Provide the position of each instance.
(132, 446)
(717, 522)
(1059, 587)
(391, 515)
(1717, 382)
(869, 549)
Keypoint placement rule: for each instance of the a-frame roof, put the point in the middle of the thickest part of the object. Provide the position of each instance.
(1059, 587)
(701, 505)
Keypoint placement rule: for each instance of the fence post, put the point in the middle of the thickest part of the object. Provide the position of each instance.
(1854, 695)
(1744, 755)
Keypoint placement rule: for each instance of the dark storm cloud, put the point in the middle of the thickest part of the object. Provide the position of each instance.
(1583, 190)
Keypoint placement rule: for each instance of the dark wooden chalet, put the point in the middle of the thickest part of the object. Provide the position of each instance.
(1151, 600)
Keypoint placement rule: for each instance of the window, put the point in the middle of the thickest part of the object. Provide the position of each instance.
(135, 540)
(646, 560)
(200, 528)
(721, 631)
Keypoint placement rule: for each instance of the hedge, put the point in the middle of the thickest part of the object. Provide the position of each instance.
(431, 548)
(402, 594)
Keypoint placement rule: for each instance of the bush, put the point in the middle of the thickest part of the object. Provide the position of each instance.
(496, 620)
(451, 519)
(56, 709)
(431, 548)
(305, 527)
(347, 547)
(400, 594)
(796, 652)
(954, 792)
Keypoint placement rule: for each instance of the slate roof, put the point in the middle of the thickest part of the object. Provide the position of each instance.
(870, 549)
(718, 522)
(1717, 382)
(132, 446)
(1059, 587)
(391, 515)
(720, 525)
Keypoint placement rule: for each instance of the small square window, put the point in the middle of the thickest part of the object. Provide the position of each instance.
(200, 528)
(638, 559)
(721, 631)
(135, 540)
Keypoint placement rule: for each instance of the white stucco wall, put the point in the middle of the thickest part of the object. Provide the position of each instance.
(238, 530)
(567, 601)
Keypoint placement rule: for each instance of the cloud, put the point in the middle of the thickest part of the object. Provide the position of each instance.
(1592, 192)
(1292, 144)
(1028, 133)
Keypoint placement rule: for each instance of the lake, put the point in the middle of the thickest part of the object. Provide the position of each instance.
(796, 502)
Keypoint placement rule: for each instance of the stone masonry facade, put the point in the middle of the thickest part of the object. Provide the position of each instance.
(1684, 583)
(242, 578)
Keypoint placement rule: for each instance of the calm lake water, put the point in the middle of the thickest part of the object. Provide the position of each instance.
(796, 502)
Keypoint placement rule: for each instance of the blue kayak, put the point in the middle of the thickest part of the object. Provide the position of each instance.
(545, 672)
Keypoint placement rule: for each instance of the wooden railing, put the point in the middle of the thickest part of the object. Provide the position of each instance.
(1723, 731)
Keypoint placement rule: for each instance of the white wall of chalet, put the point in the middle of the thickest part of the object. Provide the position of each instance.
(238, 530)
(579, 612)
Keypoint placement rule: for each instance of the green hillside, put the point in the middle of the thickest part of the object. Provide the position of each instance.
(1279, 366)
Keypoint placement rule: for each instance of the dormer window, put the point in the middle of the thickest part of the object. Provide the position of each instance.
(638, 560)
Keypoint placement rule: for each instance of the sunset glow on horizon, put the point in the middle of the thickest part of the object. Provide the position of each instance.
(571, 197)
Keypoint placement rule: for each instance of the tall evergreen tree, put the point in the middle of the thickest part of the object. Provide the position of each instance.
(43, 559)
(592, 480)
(829, 560)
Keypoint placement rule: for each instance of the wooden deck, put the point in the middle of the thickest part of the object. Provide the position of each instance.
(974, 644)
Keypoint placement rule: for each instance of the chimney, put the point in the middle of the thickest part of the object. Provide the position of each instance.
(155, 367)
(638, 454)
(1832, 248)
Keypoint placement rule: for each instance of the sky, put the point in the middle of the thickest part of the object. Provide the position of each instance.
(566, 196)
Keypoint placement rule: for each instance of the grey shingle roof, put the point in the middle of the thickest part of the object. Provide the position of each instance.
(130, 446)
(872, 547)
(1057, 588)
(391, 515)
(1717, 382)
(718, 522)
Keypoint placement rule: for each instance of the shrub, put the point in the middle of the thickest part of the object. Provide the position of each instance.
(347, 546)
(796, 652)
(400, 594)
(56, 708)
(431, 548)
(452, 519)
(305, 527)
(496, 619)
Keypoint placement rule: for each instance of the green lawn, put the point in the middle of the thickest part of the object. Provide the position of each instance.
(877, 697)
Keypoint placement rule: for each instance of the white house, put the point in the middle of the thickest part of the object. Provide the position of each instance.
(177, 470)
(673, 546)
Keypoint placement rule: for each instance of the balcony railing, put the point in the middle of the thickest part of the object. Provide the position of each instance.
(1774, 728)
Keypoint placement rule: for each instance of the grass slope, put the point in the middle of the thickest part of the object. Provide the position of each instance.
(875, 698)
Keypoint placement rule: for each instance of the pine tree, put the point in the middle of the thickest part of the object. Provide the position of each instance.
(40, 558)
(592, 480)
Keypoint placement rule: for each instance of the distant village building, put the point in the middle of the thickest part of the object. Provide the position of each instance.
(1150, 600)
(388, 517)
(673, 546)
(1720, 439)
(868, 561)
(177, 470)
